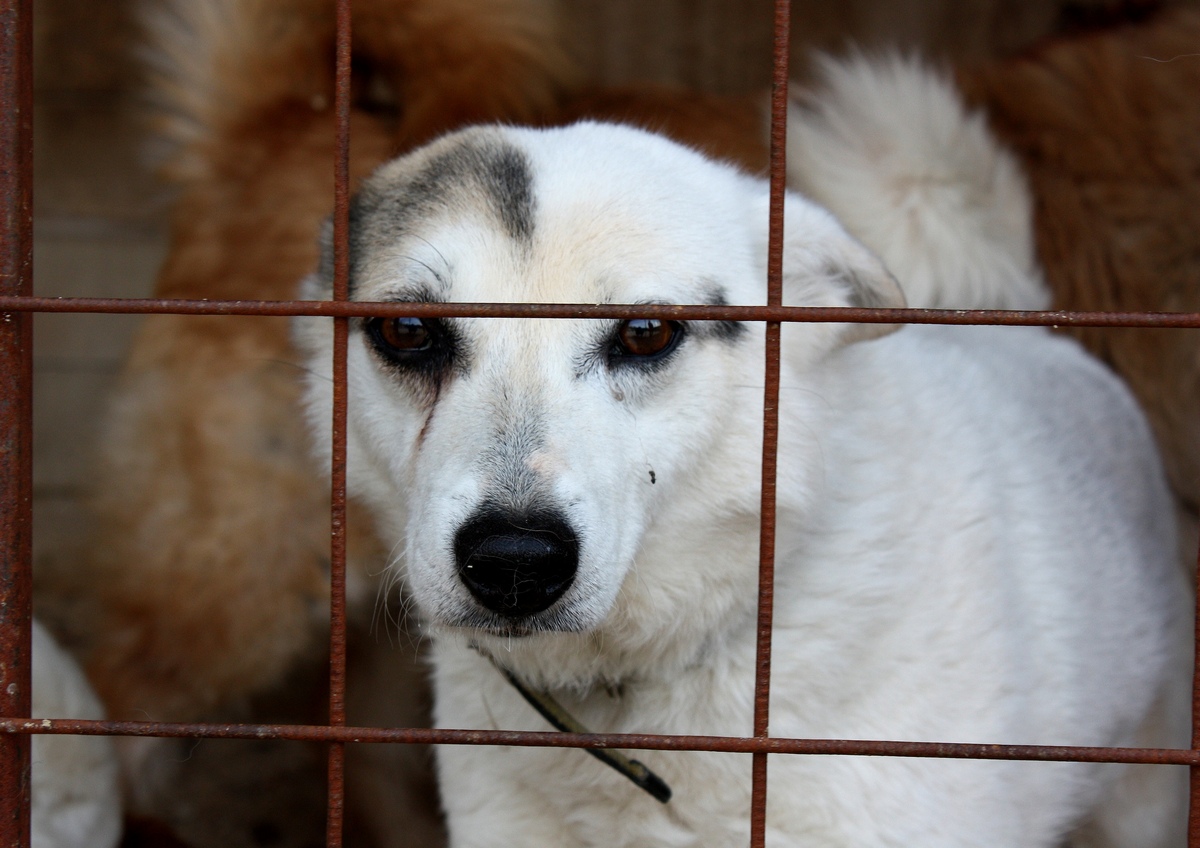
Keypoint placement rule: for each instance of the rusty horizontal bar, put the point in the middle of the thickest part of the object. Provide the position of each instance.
(814, 314)
(633, 741)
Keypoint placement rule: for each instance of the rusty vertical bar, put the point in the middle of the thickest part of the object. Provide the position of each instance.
(766, 575)
(16, 420)
(337, 541)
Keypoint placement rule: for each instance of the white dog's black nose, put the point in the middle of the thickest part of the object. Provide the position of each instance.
(516, 566)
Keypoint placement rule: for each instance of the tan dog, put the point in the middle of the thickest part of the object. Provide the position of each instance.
(210, 575)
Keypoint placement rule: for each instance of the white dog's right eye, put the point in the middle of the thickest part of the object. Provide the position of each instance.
(402, 335)
(419, 345)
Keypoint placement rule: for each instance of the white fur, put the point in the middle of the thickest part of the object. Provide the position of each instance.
(76, 799)
(974, 539)
(888, 147)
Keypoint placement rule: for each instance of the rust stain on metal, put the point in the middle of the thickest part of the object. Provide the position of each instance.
(633, 741)
(770, 449)
(335, 814)
(814, 314)
(16, 421)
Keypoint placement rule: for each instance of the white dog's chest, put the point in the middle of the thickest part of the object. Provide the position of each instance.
(567, 797)
(563, 797)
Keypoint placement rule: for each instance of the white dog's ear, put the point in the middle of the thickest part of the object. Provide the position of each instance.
(823, 265)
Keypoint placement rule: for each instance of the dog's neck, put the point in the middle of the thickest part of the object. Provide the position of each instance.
(558, 716)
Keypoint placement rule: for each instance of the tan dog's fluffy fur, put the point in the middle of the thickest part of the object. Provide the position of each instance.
(211, 575)
(211, 571)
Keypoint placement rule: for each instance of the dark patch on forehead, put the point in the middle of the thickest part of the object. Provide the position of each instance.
(473, 170)
(507, 178)
(499, 169)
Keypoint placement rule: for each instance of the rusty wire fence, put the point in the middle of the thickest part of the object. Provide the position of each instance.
(17, 309)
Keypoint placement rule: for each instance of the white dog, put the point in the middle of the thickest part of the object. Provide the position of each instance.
(974, 537)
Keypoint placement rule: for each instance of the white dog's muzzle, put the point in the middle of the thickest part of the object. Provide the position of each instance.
(516, 565)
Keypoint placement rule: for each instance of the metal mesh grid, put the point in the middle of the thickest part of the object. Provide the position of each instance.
(16, 315)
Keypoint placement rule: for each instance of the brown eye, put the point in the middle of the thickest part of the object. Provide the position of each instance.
(402, 335)
(417, 345)
(646, 337)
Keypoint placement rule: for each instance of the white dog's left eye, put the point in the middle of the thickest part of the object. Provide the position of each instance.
(646, 338)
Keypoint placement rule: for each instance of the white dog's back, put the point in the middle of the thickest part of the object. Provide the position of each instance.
(1014, 587)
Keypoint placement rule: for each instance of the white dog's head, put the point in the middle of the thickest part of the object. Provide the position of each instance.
(535, 474)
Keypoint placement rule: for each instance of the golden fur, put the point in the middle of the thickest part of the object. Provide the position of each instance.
(211, 570)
